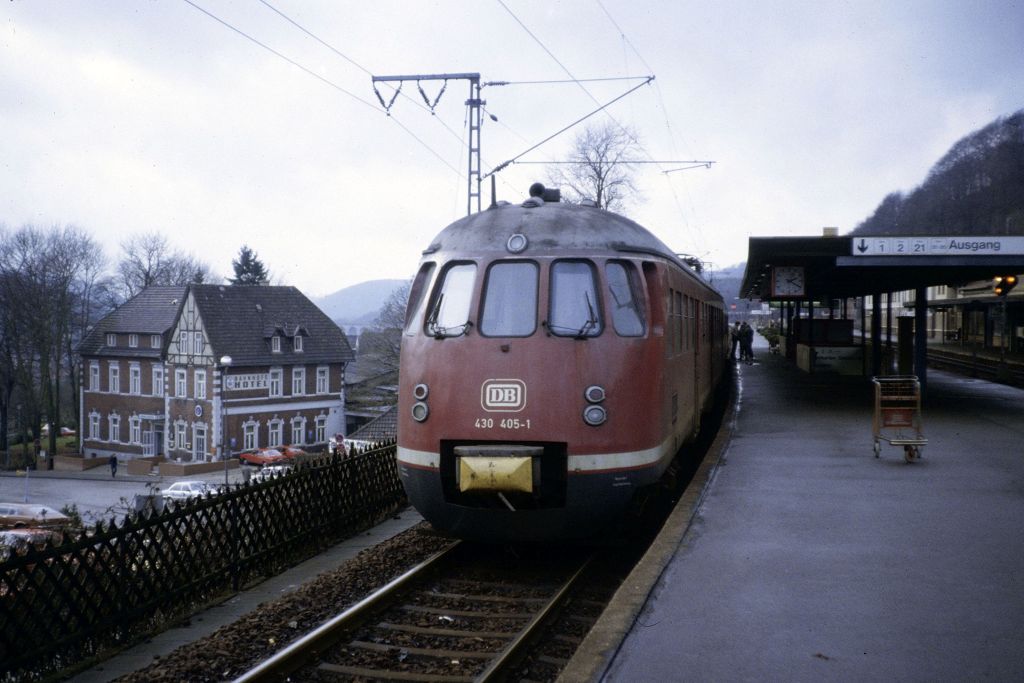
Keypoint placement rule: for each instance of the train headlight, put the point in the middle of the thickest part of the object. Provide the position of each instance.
(420, 392)
(595, 415)
(594, 394)
(420, 411)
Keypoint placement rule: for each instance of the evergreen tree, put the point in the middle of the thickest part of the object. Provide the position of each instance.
(249, 270)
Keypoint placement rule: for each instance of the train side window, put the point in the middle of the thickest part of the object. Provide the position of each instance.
(574, 310)
(414, 309)
(449, 308)
(510, 300)
(626, 304)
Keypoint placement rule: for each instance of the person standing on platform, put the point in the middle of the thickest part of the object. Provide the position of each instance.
(113, 466)
(734, 335)
(746, 335)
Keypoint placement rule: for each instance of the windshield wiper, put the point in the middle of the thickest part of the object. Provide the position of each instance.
(432, 328)
(591, 322)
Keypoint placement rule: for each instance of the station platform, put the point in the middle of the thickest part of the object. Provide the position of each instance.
(805, 558)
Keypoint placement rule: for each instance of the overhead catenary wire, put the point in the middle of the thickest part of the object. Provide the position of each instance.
(320, 78)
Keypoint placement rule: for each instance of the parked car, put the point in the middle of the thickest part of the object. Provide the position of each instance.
(270, 456)
(270, 471)
(24, 536)
(23, 515)
(183, 490)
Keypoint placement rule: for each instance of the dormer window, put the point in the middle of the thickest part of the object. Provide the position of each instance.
(154, 341)
(111, 339)
(275, 344)
(133, 341)
(298, 343)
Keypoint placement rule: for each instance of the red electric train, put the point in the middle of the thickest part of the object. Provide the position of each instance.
(554, 359)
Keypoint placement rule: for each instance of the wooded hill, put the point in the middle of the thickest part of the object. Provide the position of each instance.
(976, 188)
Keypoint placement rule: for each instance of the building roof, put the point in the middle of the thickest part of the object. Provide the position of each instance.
(383, 428)
(241, 319)
(151, 311)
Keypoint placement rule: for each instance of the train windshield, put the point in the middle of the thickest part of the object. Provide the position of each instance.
(449, 310)
(627, 315)
(574, 307)
(510, 300)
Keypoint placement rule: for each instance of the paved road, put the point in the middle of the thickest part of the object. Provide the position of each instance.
(95, 493)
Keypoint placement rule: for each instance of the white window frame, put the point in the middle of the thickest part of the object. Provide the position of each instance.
(155, 341)
(197, 343)
(158, 380)
(250, 435)
(323, 380)
(114, 428)
(297, 343)
(298, 381)
(180, 382)
(275, 382)
(275, 344)
(183, 341)
(111, 339)
(133, 341)
(114, 377)
(298, 429)
(200, 382)
(275, 433)
(180, 432)
(135, 429)
(94, 426)
(134, 379)
(94, 376)
(320, 425)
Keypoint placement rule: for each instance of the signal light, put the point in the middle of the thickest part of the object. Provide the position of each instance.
(1002, 284)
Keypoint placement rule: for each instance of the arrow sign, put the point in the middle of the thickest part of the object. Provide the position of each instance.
(863, 246)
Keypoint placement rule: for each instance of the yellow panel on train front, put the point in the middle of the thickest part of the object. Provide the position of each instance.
(496, 474)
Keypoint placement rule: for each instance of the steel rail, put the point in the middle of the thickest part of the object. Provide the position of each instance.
(298, 652)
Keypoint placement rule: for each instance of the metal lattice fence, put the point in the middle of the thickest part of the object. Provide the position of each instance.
(64, 604)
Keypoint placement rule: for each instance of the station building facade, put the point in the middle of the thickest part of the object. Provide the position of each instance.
(182, 371)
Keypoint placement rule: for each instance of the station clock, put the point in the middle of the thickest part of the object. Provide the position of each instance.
(788, 281)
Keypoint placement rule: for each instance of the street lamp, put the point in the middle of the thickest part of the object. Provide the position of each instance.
(225, 362)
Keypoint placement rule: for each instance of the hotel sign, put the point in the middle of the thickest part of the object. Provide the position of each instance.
(973, 245)
(254, 380)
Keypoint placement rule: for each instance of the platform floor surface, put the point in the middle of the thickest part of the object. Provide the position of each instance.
(811, 560)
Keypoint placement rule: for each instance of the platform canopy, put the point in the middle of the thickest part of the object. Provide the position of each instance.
(820, 268)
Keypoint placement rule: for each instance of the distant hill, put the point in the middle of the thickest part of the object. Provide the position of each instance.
(976, 188)
(358, 304)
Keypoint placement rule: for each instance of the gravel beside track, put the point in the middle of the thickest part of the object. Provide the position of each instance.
(233, 649)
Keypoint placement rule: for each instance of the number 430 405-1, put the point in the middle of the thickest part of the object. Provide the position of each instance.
(504, 423)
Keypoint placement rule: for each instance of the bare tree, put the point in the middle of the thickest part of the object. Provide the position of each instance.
(148, 259)
(600, 168)
(384, 341)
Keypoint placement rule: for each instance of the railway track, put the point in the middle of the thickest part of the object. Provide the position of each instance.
(977, 366)
(466, 614)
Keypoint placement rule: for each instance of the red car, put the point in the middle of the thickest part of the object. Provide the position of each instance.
(269, 456)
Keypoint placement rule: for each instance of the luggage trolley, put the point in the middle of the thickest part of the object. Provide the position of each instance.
(898, 414)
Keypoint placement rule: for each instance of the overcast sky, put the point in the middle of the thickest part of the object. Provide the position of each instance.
(123, 117)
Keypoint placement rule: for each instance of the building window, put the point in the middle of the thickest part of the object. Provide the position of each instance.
(298, 431)
(94, 376)
(275, 433)
(199, 441)
(275, 344)
(298, 381)
(134, 379)
(250, 435)
(321, 429)
(183, 342)
(201, 384)
(275, 382)
(94, 425)
(197, 343)
(154, 341)
(323, 380)
(111, 340)
(133, 341)
(135, 429)
(180, 383)
(114, 435)
(158, 380)
(114, 378)
(179, 435)
(298, 343)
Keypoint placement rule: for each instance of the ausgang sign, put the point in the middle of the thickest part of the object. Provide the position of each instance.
(973, 245)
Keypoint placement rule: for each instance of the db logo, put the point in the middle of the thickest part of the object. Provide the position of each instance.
(503, 395)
